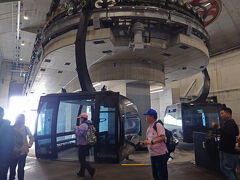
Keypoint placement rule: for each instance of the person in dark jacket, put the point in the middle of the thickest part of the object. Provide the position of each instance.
(228, 155)
(83, 150)
(6, 145)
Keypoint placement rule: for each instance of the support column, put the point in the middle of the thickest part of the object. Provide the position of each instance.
(139, 93)
(160, 100)
(4, 85)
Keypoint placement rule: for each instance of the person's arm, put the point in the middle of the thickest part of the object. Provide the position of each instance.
(238, 140)
(31, 137)
(154, 141)
(81, 130)
(230, 129)
(161, 135)
(161, 138)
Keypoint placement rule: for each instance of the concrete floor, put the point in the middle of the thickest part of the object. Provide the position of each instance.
(182, 167)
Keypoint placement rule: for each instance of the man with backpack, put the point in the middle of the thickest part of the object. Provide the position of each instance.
(85, 138)
(171, 142)
(156, 143)
(6, 145)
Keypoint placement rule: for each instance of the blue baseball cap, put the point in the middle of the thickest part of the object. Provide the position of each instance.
(151, 112)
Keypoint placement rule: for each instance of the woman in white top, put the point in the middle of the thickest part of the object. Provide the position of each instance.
(20, 160)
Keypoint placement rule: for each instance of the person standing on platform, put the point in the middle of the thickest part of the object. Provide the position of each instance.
(20, 160)
(83, 146)
(156, 146)
(6, 145)
(228, 155)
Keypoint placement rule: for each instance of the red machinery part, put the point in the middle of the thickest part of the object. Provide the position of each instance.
(209, 9)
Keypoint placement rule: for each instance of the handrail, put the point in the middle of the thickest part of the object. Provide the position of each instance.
(66, 140)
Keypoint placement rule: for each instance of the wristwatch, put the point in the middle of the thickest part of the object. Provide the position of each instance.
(152, 142)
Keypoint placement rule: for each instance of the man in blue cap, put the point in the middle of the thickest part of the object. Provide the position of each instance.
(155, 141)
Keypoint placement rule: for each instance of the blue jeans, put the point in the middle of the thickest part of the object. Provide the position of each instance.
(228, 165)
(159, 167)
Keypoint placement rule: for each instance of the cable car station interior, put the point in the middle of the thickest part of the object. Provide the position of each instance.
(113, 60)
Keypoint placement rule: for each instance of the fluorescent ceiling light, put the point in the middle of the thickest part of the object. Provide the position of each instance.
(22, 44)
(77, 90)
(206, 5)
(98, 84)
(25, 17)
(155, 91)
(20, 59)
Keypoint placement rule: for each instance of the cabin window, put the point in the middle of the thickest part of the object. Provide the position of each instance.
(68, 111)
(132, 122)
(107, 125)
(45, 119)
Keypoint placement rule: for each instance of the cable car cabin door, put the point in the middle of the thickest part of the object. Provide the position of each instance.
(107, 125)
(45, 140)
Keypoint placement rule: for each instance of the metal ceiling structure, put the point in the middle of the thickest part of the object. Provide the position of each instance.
(224, 32)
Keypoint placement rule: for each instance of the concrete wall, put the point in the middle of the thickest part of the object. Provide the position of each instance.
(160, 100)
(140, 95)
(4, 85)
(6, 77)
(155, 102)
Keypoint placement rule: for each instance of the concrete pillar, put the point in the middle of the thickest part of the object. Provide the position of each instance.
(11, 84)
(166, 99)
(140, 95)
(4, 85)
(160, 100)
(15, 89)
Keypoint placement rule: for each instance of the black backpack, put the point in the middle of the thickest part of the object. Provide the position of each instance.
(171, 144)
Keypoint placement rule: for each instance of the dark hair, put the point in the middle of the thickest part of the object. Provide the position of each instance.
(227, 110)
(154, 116)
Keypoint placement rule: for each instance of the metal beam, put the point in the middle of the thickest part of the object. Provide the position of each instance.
(10, 61)
(80, 53)
(4, 1)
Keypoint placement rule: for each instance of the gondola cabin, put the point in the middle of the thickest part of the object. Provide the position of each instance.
(114, 116)
(185, 118)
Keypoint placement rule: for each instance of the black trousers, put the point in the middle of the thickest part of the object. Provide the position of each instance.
(159, 167)
(82, 153)
(3, 170)
(20, 161)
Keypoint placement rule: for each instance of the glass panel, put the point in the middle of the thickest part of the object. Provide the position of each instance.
(45, 120)
(68, 112)
(67, 116)
(173, 118)
(201, 116)
(70, 139)
(67, 120)
(107, 125)
(44, 126)
(44, 146)
(131, 123)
